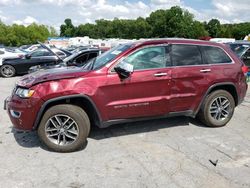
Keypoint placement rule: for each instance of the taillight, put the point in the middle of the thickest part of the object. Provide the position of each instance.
(244, 69)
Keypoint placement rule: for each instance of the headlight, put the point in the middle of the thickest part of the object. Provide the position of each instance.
(24, 93)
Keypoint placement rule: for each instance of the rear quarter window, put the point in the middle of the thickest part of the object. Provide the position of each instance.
(214, 55)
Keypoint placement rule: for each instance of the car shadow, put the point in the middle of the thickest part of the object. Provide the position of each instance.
(29, 139)
(141, 127)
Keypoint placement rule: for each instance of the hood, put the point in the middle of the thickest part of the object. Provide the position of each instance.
(47, 48)
(51, 74)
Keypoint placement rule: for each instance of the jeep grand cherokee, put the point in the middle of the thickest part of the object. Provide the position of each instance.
(135, 81)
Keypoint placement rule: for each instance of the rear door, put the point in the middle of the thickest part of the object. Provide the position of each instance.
(146, 91)
(190, 77)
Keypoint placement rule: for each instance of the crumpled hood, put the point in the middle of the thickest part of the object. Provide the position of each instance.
(50, 74)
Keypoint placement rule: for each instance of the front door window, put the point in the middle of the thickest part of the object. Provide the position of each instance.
(149, 58)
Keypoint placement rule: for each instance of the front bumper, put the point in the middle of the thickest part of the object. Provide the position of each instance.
(22, 112)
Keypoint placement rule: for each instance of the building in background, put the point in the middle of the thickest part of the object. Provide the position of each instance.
(60, 42)
(222, 40)
(103, 44)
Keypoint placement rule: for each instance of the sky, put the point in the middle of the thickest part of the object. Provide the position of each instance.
(54, 12)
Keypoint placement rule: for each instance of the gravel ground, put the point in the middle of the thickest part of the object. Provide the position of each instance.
(174, 152)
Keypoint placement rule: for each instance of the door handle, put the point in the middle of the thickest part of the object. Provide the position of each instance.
(205, 70)
(160, 74)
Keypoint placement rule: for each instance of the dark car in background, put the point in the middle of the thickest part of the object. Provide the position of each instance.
(76, 59)
(42, 56)
(242, 49)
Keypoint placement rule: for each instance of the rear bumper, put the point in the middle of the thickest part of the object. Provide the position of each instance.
(243, 89)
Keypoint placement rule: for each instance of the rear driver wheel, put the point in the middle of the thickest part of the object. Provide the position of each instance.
(64, 128)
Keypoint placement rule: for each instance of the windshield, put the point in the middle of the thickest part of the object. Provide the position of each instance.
(239, 49)
(109, 56)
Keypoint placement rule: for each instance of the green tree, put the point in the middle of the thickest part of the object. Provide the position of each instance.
(86, 30)
(17, 35)
(67, 29)
(214, 28)
(53, 32)
(103, 28)
(197, 30)
(158, 21)
(3, 33)
(239, 31)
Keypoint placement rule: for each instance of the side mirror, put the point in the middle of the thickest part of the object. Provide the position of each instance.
(124, 70)
(27, 56)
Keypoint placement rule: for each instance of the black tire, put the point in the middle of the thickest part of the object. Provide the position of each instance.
(50, 122)
(210, 114)
(7, 71)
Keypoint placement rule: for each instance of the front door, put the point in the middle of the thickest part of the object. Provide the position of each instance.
(146, 92)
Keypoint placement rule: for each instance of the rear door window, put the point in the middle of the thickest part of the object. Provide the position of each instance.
(186, 55)
(214, 55)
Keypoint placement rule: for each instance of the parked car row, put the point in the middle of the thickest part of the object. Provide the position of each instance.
(10, 54)
(242, 49)
(44, 57)
(77, 59)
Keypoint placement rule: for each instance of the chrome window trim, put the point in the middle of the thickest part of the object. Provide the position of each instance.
(175, 43)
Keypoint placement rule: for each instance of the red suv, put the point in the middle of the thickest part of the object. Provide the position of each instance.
(141, 80)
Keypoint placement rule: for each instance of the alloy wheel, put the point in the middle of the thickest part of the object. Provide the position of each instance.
(7, 71)
(62, 130)
(220, 108)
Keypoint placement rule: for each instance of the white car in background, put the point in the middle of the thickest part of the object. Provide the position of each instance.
(6, 54)
(29, 48)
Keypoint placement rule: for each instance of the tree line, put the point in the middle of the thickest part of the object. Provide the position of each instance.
(173, 22)
(17, 35)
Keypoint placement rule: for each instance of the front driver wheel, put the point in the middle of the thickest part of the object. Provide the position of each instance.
(217, 109)
(64, 128)
(7, 71)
